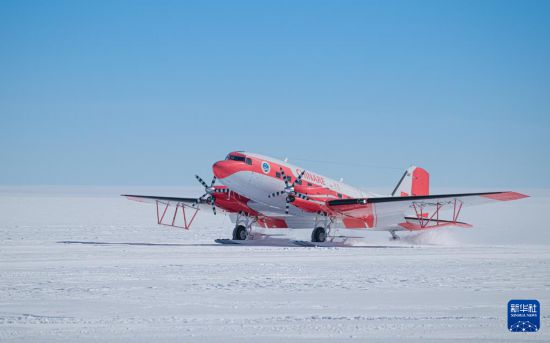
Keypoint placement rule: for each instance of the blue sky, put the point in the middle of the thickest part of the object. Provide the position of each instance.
(152, 92)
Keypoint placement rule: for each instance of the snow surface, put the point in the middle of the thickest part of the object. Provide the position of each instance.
(87, 265)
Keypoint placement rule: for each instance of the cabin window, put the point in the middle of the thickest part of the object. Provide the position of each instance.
(298, 182)
(278, 175)
(288, 178)
(235, 158)
(339, 195)
(248, 161)
(309, 184)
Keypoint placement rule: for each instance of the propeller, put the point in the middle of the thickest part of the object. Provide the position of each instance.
(209, 191)
(291, 194)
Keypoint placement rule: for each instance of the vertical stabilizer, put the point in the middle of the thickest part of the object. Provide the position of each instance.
(415, 181)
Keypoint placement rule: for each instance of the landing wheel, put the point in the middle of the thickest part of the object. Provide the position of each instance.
(394, 236)
(239, 233)
(319, 234)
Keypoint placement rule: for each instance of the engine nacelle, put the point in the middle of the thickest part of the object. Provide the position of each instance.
(308, 205)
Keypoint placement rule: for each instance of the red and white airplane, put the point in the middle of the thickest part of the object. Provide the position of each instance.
(260, 191)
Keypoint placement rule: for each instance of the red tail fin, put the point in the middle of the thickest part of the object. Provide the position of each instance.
(420, 182)
(415, 181)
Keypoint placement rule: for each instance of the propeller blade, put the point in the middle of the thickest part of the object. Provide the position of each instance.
(213, 181)
(302, 196)
(201, 181)
(287, 205)
(202, 196)
(284, 177)
(213, 205)
(299, 178)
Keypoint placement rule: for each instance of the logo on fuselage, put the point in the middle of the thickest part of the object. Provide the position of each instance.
(266, 167)
(312, 177)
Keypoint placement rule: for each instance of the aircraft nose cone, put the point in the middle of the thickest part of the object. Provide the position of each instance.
(223, 169)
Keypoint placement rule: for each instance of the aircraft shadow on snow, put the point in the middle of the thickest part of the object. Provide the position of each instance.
(228, 242)
(139, 244)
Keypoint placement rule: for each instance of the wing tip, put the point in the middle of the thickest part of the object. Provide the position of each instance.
(505, 196)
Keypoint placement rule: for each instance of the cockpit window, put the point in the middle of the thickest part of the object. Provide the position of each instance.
(235, 158)
(248, 161)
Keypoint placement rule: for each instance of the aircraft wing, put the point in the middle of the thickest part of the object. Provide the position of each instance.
(182, 210)
(388, 211)
(170, 201)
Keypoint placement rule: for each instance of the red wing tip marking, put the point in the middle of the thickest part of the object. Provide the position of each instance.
(505, 196)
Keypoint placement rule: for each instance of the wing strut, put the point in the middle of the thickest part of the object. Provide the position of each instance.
(177, 221)
(424, 220)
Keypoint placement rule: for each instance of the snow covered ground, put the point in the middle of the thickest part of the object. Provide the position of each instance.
(86, 265)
